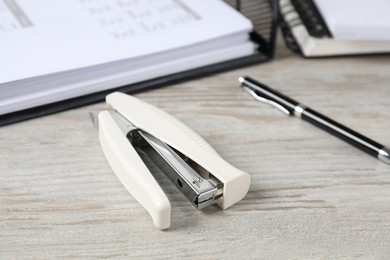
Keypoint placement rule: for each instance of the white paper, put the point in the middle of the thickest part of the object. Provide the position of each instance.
(71, 34)
(87, 86)
(357, 19)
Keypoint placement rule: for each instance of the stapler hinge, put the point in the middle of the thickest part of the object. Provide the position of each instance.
(201, 191)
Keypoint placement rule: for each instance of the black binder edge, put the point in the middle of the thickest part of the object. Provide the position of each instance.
(265, 53)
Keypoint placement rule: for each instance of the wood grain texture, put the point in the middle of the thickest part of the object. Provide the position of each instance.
(312, 196)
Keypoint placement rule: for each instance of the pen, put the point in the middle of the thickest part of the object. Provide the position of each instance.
(293, 108)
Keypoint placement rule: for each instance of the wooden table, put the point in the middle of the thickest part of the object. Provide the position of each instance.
(311, 194)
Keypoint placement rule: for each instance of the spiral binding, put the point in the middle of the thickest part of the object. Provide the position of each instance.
(301, 12)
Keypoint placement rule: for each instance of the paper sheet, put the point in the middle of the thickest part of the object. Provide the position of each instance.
(72, 34)
(357, 19)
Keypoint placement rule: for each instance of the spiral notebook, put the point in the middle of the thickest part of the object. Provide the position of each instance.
(321, 28)
(58, 55)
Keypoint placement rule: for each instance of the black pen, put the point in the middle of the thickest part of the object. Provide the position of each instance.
(291, 107)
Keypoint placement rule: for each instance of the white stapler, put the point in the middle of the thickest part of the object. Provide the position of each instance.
(189, 161)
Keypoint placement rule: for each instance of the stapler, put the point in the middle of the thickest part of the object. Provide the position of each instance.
(134, 127)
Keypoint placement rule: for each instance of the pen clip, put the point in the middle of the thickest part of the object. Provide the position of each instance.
(265, 100)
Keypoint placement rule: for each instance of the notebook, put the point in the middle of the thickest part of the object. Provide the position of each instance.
(332, 28)
(55, 52)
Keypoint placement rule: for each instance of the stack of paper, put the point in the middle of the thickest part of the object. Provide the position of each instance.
(53, 50)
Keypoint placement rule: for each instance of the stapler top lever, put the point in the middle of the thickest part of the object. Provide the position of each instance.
(137, 128)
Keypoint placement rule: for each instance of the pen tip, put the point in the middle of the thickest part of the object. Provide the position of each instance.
(384, 155)
(241, 79)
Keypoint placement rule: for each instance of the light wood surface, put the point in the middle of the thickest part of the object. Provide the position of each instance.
(312, 196)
